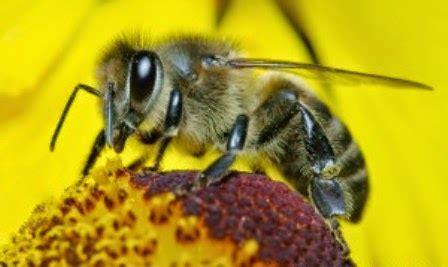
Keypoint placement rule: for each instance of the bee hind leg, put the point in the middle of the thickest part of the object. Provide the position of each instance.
(325, 191)
(273, 116)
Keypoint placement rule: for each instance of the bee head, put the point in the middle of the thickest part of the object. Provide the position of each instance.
(128, 100)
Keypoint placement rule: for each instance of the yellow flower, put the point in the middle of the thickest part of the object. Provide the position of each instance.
(46, 48)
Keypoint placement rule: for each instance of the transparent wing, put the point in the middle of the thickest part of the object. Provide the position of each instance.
(329, 74)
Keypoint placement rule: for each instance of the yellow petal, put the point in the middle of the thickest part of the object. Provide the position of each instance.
(402, 133)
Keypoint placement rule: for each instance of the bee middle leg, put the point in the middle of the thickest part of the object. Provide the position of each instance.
(147, 138)
(172, 121)
(219, 168)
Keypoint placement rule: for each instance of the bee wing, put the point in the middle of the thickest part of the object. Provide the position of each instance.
(315, 71)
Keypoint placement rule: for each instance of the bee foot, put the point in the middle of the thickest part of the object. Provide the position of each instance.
(151, 169)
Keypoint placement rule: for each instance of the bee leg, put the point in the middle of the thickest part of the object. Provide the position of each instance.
(258, 169)
(172, 121)
(67, 107)
(235, 142)
(279, 109)
(325, 192)
(160, 152)
(98, 146)
(336, 230)
(199, 152)
(148, 139)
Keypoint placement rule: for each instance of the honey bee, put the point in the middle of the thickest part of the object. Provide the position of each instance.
(204, 93)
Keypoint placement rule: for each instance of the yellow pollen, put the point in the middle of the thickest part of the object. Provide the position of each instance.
(188, 229)
(245, 256)
(160, 207)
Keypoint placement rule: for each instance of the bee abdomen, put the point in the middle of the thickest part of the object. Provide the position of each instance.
(357, 187)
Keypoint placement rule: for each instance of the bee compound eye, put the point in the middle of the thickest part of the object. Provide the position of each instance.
(143, 75)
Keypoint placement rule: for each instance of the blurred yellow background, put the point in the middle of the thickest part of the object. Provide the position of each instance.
(47, 47)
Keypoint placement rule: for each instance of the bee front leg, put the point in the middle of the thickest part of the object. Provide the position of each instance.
(235, 143)
(98, 146)
(148, 138)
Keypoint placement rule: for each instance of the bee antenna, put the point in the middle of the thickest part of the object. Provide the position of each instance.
(67, 107)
